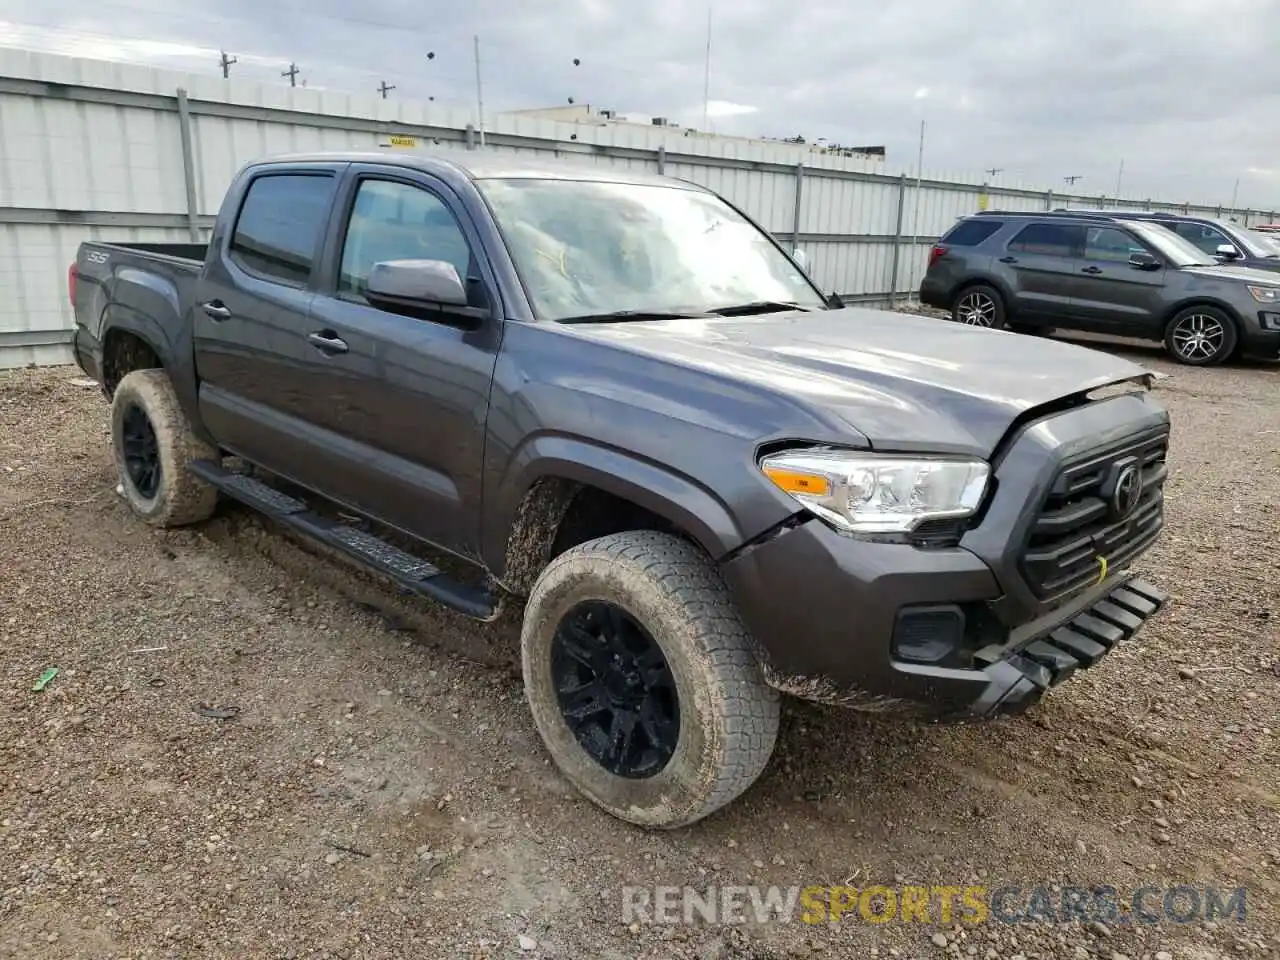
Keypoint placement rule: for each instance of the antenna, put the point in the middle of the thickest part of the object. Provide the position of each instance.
(383, 87)
(225, 63)
(292, 74)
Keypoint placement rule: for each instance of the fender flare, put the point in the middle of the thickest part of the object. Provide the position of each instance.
(574, 463)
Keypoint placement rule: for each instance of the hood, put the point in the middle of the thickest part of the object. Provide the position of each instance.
(903, 382)
(1225, 271)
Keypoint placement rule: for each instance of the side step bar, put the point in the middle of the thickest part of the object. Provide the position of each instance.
(414, 574)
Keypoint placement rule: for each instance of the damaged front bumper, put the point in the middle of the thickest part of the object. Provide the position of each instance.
(1019, 672)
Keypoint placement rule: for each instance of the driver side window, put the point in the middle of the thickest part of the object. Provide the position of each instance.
(398, 221)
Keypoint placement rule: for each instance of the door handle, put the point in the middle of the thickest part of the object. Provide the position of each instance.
(1008, 259)
(1091, 270)
(327, 342)
(216, 309)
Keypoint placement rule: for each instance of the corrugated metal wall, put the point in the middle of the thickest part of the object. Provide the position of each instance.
(90, 149)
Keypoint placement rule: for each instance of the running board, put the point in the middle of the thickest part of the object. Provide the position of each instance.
(414, 574)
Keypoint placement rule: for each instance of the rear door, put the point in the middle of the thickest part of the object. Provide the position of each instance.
(1040, 263)
(250, 317)
(400, 413)
(1109, 294)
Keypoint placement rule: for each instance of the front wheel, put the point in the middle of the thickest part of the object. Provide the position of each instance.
(1200, 336)
(642, 682)
(979, 306)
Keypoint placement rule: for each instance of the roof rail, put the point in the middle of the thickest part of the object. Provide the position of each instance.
(1052, 214)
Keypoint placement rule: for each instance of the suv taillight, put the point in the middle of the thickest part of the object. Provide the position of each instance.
(936, 254)
(72, 273)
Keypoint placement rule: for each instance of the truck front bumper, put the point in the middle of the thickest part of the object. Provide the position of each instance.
(826, 612)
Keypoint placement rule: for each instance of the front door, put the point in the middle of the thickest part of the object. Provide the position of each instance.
(400, 412)
(1112, 295)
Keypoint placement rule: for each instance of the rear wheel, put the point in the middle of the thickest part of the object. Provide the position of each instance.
(979, 306)
(641, 680)
(1200, 336)
(153, 445)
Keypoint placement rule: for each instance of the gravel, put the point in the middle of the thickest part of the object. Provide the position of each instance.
(251, 750)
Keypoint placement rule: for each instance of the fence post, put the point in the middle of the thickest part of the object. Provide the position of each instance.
(188, 165)
(795, 219)
(471, 137)
(662, 160)
(897, 242)
(1048, 201)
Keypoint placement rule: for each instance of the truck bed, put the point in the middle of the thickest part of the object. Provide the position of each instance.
(172, 251)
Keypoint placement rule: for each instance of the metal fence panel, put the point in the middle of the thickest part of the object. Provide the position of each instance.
(90, 149)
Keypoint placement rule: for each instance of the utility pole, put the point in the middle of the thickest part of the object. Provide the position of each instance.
(225, 63)
(1072, 180)
(479, 89)
(992, 171)
(383, 87)
(915, 220)
(1119, 177)
(1235, 191)
(706, 78)
(292, 74)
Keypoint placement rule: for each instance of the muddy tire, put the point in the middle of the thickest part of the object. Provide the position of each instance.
(153, 444)
(642, 682)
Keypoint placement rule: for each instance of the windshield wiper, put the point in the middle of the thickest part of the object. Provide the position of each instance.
(621, 316)
(759, 306)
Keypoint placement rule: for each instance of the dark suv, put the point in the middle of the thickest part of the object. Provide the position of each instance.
(1033, 272)
(1222, 239)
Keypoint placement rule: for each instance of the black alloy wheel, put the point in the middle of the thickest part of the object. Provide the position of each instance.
(615, 689)
(141, 451)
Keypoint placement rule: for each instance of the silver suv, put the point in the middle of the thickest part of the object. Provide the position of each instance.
(1035, 272)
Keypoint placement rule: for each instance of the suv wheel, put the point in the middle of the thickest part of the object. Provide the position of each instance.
(979, 306)
(642, 682)
(1200, 336)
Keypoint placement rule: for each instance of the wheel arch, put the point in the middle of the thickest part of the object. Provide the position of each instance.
(573, 490)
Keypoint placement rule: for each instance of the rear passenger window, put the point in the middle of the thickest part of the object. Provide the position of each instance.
(1048, 240)
(970, 233)
(279, 225)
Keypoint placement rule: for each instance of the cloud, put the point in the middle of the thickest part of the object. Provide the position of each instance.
(1182, 91)
(724, 108)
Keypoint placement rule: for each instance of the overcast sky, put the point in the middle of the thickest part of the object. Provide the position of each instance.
(1185, 92)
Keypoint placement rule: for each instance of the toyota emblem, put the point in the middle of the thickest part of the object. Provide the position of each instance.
(1127, 492)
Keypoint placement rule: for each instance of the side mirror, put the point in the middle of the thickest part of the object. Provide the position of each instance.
(424, 283)
(1143, 261)
(1228, 252)
(801, 258)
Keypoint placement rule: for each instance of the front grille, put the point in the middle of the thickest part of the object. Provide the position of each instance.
(1077, 523)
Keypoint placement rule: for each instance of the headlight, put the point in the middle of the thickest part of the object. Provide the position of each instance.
(861, 493)
(1266, 294)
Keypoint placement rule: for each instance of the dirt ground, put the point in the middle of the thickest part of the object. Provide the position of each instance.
(381, 791)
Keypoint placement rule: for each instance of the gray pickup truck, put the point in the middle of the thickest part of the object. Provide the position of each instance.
(618, 401)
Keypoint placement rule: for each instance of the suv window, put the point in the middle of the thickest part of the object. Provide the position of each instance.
(970, 233)
(280, 223)
(398, 221)
(1205, 237)
(1048, 240)
(1111, 244)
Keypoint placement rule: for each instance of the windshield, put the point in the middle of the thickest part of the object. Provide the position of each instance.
(1264, 245)
(585, 248)
(1175, 249)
